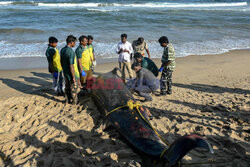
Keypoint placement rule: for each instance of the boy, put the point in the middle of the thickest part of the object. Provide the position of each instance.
(84, 59)
(91, 52)
(55, 67)
(70, 70)
(168, 65)
(124, 50)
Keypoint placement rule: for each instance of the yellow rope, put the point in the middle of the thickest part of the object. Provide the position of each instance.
(163, 152)
(131, 105)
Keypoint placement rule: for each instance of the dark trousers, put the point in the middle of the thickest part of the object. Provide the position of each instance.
(166, 81)
(144, 91)
(70, 91)
(58, 82)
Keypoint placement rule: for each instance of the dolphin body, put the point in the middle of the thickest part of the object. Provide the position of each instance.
(111, 97)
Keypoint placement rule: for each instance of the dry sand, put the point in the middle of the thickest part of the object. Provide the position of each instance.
(211, 97)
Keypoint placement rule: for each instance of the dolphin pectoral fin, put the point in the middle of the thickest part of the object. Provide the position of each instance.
(182, 146)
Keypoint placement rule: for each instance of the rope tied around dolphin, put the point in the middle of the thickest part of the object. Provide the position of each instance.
(131, 105)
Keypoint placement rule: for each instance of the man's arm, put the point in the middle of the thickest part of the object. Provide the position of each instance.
(166, 63)
(79, 62)
(119, 50)
(93, 54)
(139, 79)
(148, 53)
(72, 62)
(51, 67)
(133, 45)
(79, 58)
(146, 48)
(50, 60)
(72, 70)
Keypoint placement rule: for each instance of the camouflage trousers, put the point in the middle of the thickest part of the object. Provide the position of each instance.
(70, 91)
(166, 81)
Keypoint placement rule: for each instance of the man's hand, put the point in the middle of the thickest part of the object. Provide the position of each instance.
(120, 51)
(74, 81)
(125, 50)
(161, 69)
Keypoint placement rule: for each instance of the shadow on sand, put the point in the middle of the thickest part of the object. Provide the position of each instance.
(6, 160)
(37, 85)
(211, 88)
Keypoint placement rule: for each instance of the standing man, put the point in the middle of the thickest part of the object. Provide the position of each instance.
(140, 46)
(91, 52)
(55, 67)
(124, 49)
(84, 59)
(70, 70)
(168, 65)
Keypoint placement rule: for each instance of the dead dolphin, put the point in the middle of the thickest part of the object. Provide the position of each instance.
(130, 118)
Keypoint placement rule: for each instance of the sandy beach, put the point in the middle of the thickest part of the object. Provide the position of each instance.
(211, 98)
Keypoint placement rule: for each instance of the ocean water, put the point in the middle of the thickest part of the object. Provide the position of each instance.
(195, 27)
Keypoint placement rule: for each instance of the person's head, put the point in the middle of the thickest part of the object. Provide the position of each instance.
(53, 41)
(124, 38)
(83, 40)
(163, 41)
(138, 57)
(136, 66)
(90, 39)
(71, 41)
(140, 40)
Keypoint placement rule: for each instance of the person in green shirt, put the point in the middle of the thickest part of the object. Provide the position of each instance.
(84, 59)
(55, 67)
(146, 63)
(70, 70)
(168, 65)
(91, 52)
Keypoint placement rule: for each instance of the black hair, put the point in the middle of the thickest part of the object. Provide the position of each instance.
(138, 55)
(135, 64)
(124, 36)
(53, 40)
(140, 40)
(163, 39)
(81, 38)
(70, 39)
(90, 37)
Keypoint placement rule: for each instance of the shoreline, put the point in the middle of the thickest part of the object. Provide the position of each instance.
(25, 63)
(25, 81)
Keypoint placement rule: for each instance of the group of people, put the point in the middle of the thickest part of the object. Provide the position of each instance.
(77, 66)
(146, 81)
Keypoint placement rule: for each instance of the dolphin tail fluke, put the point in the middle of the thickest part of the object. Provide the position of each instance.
(182, 146)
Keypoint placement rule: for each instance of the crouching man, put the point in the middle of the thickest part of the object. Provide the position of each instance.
(144, 83)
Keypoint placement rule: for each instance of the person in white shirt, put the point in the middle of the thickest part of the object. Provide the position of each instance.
(124, 49)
